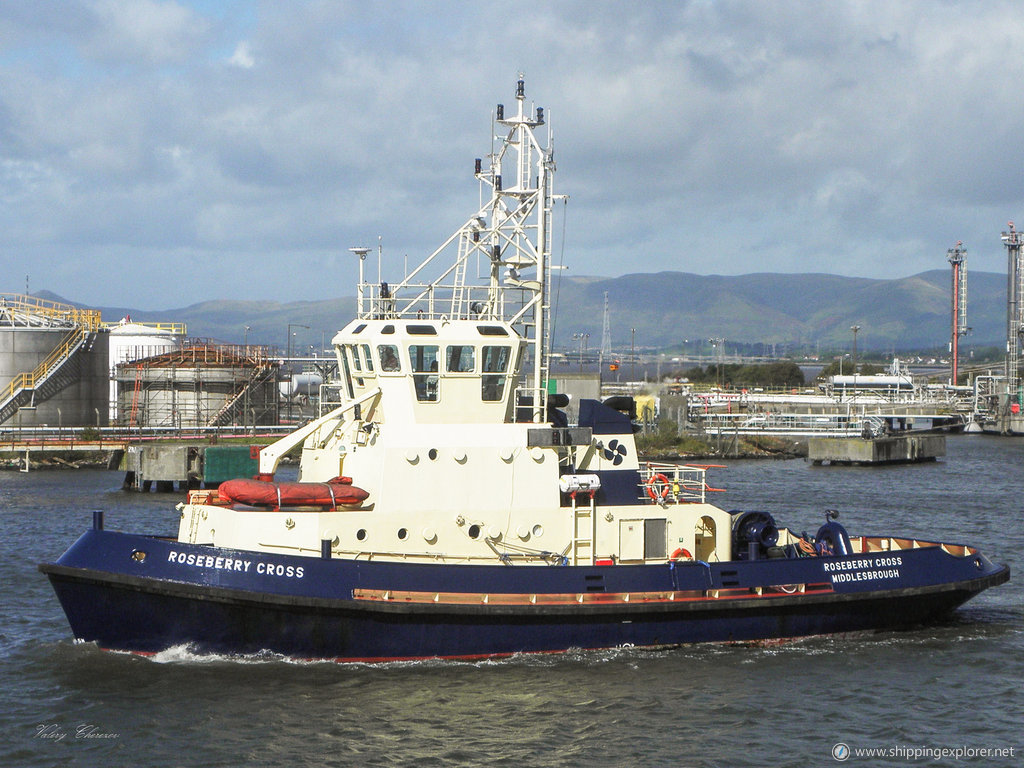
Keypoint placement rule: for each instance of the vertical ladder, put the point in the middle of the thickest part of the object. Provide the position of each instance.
(459, 299)
(135, 397)
(583, 527)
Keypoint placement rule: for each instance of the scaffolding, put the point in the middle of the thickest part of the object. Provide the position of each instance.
(203, 384)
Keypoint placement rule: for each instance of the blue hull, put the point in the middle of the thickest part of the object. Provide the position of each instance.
(146, 594)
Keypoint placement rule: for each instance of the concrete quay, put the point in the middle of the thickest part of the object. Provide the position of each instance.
(893, 449)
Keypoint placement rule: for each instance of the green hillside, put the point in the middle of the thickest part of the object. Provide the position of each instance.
(667, 307)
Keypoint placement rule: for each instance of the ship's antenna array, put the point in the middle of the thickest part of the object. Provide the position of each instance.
(510, 233)
(958, 261)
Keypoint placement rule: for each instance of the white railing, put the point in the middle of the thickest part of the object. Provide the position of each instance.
(675, 483)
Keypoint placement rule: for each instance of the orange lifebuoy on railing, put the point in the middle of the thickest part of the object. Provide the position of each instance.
(680, 553)
(652, 490)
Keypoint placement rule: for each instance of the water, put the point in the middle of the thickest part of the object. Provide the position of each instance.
(957, 685)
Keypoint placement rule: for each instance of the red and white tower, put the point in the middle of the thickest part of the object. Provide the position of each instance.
(1014, 306)
(958, 260)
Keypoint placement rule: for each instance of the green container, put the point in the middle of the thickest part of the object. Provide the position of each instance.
(227, 462)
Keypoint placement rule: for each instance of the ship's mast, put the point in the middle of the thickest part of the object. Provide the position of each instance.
(510, 235)
(520, 236)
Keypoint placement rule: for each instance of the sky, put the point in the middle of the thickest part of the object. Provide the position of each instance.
(155, 154)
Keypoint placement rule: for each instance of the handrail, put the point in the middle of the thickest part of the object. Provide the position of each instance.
(24, 381)
(259, 373)
(179, 329)
(66, 314)
(675, 483)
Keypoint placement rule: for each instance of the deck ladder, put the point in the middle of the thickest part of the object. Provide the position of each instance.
(584, 518)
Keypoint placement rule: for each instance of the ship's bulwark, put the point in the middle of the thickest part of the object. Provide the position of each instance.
(311, 608)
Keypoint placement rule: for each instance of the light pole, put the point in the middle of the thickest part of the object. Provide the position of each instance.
(288, 358)
(290, 335)
(245, 405)
(718, 345)
(582, 338)
(855, 328)
(632, 353)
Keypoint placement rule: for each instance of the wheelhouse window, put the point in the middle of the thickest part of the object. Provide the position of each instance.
(389, 361)
(346, 373)
(357, 367)
(364, 350)
(423, 358)
(494, 362)
(460, 358)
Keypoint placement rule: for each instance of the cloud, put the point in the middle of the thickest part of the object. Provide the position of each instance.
(263, 140)
(132, 32)
(242, 57)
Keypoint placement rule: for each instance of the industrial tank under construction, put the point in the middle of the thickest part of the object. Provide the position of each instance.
(53, 364)
(203, 384)
(130, 341)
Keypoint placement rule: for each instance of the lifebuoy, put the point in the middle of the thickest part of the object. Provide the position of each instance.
(652, 490)
(681, 553)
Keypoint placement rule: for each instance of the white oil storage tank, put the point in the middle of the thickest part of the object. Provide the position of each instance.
(131, 340)
(53, 364)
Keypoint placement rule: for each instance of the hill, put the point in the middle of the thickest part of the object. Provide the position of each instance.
(665, 308)
(801, 309)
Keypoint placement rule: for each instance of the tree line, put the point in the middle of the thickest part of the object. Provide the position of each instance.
(780, 374)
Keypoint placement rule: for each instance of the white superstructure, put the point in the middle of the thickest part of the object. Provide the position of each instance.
(445, 419)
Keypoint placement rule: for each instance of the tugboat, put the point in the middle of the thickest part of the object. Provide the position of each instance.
(445, 506)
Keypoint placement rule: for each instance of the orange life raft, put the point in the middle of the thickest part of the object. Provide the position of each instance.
(260, 493)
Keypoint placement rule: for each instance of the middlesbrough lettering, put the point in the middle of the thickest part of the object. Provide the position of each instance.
(235, 564)
(843, 571)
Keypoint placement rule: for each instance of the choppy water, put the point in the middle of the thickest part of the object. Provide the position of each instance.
(956, 686)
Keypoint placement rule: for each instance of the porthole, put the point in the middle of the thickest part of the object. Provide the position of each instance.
(432, 454)
(538, 531)
(403, 534)
(361, 534)
(474, 531)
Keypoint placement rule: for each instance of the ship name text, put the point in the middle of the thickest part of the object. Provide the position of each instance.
(235, 564)
(864, 569)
